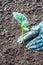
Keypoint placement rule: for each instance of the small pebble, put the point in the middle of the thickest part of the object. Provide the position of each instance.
(0, 54)
(1, 26)
(0, 14)
(3, 33)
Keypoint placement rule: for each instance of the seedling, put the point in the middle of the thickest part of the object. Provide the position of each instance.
(23, 22)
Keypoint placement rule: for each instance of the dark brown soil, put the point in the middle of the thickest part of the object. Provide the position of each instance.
(12, 53)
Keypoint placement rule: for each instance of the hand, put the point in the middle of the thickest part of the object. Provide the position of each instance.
(36, 34)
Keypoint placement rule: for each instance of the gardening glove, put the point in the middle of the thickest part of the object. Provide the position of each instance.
(37, 43)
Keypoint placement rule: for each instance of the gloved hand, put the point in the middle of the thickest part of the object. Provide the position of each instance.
(36, 34)
(37, 43)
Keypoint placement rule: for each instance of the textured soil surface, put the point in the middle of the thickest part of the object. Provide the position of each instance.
(11, 53)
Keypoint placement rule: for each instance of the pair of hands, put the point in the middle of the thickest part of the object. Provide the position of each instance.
(35, 36)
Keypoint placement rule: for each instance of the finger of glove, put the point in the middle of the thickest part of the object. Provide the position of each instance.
(30, 43)
(27, 36)
(34, 47)
(39, 49)
(20, 38)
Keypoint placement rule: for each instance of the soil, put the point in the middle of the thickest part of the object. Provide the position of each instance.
(12, 53)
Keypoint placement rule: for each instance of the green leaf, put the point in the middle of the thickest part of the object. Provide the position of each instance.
(24, 25)
(19, 17)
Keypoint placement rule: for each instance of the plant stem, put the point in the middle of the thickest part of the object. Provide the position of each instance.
(23, 36)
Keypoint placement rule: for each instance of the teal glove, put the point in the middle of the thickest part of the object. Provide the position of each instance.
(37, 43)
(34, 38)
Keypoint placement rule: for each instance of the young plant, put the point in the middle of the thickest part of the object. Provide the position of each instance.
(23, 22)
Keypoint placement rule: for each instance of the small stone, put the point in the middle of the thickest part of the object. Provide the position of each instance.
(0, 54)
(6, 32)
(2, 33)
(1, 26)
(7, 18)
(12, 35)
(2, 43)
(0, 15)
(34, 60)
(21, 10)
